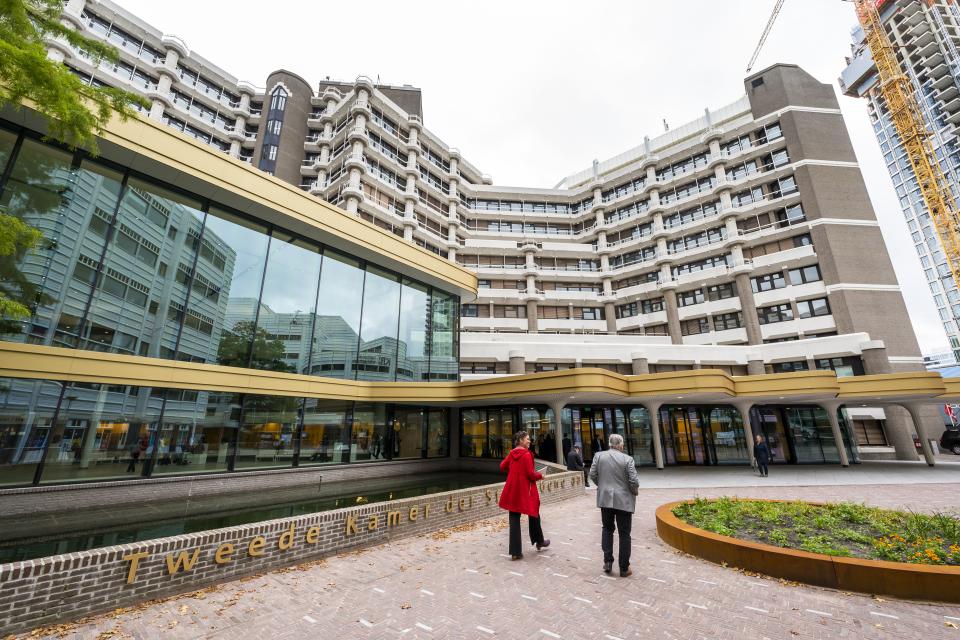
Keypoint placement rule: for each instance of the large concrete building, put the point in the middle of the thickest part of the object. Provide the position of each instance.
(743, 241)
(924, 33)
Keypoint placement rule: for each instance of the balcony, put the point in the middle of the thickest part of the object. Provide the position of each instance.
(785, 294)
(571, 326)
(728, 336)
(711, 307)
(784, 257)
(793, 327)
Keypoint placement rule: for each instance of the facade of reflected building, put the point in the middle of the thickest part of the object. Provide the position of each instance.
(131, 266)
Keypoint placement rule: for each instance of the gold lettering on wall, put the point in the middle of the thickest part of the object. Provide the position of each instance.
(313, 535)
(134, 559)
(182, 560)
(426, 511)
(465, 503)
(351, 525)
(489, 494)
(373, 523)
(414, 513)
(393, 518)
(286, 538)
(223, 553)
(255, 548)
(449, 506)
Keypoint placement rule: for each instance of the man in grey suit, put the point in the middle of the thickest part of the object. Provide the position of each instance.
(615, 475)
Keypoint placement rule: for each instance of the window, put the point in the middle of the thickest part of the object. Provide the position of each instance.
(687, 298)
(468, 310)
(813, 308)
(775, 313)
(804, 275)
(652, 306)
(726, 321)
(721, 291)
(278, 99)
(695, 326)
(591, 313)
(768, 282)
(848, 366)
(789, 367)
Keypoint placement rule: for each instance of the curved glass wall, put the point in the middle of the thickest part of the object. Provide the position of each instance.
(54, 432)
(128, 265)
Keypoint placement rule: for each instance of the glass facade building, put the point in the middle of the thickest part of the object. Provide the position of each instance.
(128, 265)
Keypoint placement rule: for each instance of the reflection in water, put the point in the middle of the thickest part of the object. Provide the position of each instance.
(333, 496)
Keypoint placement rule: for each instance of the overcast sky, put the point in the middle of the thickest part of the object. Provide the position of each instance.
(533, 91)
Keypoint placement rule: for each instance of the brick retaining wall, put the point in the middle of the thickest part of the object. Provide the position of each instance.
(46, 590)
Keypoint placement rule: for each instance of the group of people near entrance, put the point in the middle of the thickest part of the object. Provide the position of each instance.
(612, 471)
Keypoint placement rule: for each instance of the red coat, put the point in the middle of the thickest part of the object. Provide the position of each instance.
(520, 492)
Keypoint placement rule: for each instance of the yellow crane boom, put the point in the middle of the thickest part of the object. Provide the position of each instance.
(897, 92)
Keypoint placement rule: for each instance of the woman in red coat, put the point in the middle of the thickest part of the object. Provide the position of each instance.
(520, 494)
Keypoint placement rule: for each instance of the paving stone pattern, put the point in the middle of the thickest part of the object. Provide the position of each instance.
(461, 584)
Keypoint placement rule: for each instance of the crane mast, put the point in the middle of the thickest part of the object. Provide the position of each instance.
(897, 92)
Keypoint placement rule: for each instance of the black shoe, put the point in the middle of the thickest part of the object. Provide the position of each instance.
(608, 566)
(626, 573)
(519, 557)
(543, 545)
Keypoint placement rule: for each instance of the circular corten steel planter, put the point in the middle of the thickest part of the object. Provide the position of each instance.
(903, 580)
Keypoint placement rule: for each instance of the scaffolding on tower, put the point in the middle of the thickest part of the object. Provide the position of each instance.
(907, 118)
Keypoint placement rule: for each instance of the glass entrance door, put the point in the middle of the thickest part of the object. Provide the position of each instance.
(683, 440)
(773, 429)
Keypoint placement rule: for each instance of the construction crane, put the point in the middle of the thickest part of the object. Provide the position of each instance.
(766, 32)
(897, 92)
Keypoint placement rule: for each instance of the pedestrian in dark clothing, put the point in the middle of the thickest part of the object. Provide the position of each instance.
(566, 444)
(520, 495)
(615, 475)
(575, 463)
(761, 452)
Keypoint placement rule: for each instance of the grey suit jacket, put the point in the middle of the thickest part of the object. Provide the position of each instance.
(615, 475)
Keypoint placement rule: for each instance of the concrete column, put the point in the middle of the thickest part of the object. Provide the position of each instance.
(673, 317)
(654, 198)
(452, 254)
(918, 424)
(639, 364)
(755, 368)
(610, 314)
(518, 365)
(607, 286)
(731, 227)
(748, 306)
(653, 410)
(896, 425)
(557, 406)
(532, 316)
(604, 262)
(156, 110)
(726, 202)
(831, 409)
(651, 174)
(744, 409)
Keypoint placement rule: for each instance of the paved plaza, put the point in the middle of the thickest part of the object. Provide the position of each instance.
(461, 584)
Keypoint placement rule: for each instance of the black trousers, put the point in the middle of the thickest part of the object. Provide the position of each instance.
(762, 466)
(536, 533)
(614, 519)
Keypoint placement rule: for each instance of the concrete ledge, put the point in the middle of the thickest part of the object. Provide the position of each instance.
(899, 579)
(39, 592)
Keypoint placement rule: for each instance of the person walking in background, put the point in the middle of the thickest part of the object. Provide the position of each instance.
(575, 463)
(615, 475)
(761, 452)
(520, 495)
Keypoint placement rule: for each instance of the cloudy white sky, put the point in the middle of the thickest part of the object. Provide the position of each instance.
(533, 91)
